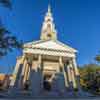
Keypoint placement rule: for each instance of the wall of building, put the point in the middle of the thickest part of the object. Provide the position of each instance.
(4, 81)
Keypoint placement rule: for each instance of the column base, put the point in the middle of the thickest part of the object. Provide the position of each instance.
(78, 83)
(70, 86)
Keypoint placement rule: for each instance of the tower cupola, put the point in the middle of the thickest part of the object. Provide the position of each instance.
(48, 28)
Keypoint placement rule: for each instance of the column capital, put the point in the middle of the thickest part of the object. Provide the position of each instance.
(69, 62)
(39, 56)
(39, 60)
(29, 60)
(22, 59)
(60, 61)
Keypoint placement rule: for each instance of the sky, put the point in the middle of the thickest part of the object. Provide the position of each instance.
(77, 24)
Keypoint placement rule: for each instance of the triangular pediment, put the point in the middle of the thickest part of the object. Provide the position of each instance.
(50, 45)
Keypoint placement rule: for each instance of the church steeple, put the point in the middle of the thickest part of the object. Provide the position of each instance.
(48, 28)
(49, 9)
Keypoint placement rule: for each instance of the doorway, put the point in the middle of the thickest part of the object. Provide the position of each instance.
(47, 84)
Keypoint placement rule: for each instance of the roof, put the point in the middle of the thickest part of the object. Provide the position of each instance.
(50, 45)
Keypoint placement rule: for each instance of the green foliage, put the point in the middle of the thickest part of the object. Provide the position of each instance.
(90, 78)
(97, 58)
(7, 41)
(6, 3)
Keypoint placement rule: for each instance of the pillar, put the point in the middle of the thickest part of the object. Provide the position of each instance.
(40, 66)
(15, 73)
(40, 73)
(28, 74)
(39, 61)
(65, 76)
(69, 76)
(24, 67)
(77, 76)
(29, 66)
(75, 67)
(36, 77)
(72, 71)
(14, 84)
(23, 72)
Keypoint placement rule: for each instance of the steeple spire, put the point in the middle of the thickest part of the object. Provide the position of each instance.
(48, 28)
(49, 8)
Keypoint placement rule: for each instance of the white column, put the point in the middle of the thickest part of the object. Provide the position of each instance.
(77, 75)
(28, 74)
(72, 75)
(25, 75)
(28, 68)
(62, 66)
(36, 76)
(40, 68)
(24, 67)
(19, 61)
(39, 61)
(31, 76)
(13, 78)
(75, 67)
(69, 73)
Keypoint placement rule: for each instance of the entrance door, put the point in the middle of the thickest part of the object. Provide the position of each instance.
(47, 85)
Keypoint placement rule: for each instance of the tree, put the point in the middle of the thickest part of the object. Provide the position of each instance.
(6, 3)
(90, 78)
(97, 58)
(7, 40)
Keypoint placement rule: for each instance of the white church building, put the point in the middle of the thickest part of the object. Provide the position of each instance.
(47, 66)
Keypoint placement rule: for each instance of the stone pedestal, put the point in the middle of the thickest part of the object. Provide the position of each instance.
(16, 87)
(35, 82)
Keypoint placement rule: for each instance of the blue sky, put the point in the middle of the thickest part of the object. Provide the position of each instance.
(77, 23)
